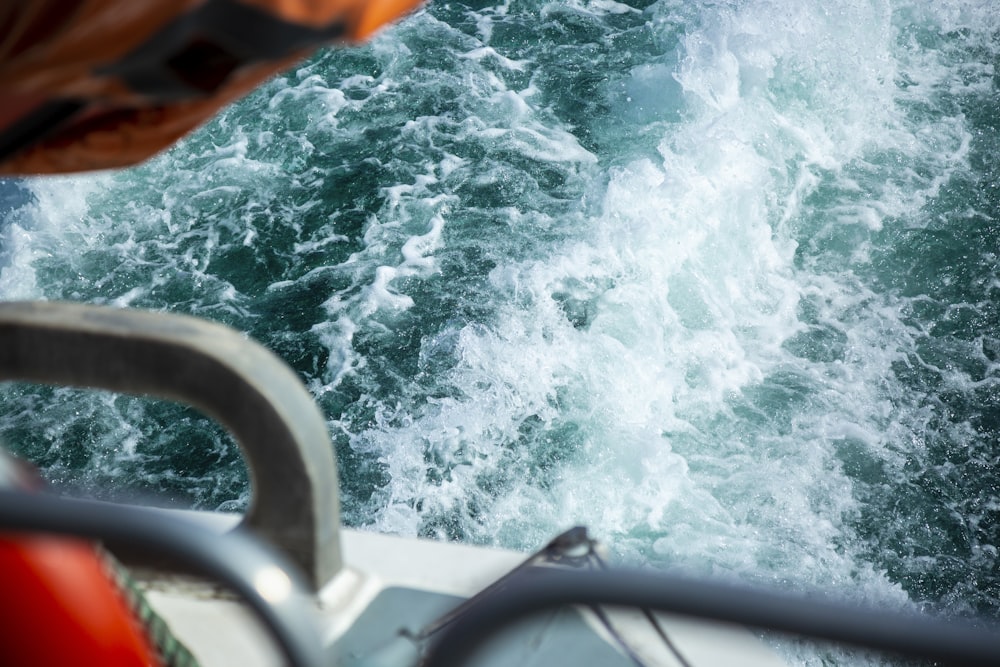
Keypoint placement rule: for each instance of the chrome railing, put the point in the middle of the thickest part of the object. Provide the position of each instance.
(255, 395)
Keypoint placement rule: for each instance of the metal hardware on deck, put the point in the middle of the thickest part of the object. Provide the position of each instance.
(573, 548)
(573, 545)
(217, 370)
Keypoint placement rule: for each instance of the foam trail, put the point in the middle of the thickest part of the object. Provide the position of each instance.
(713, 278)
(681, 376)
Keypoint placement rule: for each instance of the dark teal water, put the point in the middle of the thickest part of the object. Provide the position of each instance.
(717, 279)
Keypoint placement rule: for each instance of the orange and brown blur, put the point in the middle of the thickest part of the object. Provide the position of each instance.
(99, 84)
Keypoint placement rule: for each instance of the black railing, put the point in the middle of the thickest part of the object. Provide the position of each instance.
(949, 642)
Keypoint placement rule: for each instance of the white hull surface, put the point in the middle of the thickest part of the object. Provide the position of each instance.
(391, 588)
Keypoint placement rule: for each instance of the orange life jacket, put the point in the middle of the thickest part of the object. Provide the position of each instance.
(96, 84)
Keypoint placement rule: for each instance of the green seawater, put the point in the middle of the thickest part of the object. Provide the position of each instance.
(717, 279)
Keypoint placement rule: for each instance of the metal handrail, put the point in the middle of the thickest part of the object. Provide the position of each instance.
(537, 590)
(262, 577)
(217, 370)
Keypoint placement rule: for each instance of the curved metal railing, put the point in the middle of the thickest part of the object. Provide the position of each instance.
(217, 370)
(541, 589)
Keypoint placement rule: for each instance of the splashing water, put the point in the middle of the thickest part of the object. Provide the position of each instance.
(716, 279)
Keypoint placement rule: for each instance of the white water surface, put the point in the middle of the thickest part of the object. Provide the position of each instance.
(655, 316)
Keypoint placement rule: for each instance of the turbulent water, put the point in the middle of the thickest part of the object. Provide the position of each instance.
(718, 279)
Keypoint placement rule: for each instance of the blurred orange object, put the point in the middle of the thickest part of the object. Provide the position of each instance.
(97, 84)
(65, 609)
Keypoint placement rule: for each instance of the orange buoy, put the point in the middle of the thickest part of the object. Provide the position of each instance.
(62, 607)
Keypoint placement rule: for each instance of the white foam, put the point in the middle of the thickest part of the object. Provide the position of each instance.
(685, 289)
(487, 52)
(17, 273)
(621, 379)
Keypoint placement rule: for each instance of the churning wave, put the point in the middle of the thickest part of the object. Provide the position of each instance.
(716, 279)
